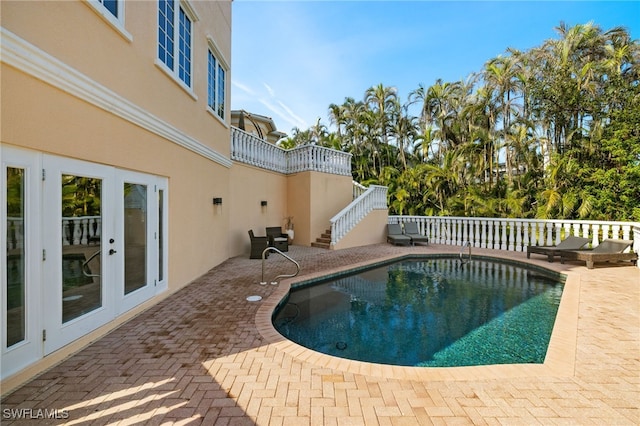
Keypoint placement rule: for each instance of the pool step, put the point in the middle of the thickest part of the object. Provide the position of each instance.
(324, 241)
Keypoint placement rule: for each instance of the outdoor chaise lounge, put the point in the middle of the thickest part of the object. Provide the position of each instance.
(569, 243)
(258, 244)
(606, 251)
(411, 230)
(280, 239)
(395, 235)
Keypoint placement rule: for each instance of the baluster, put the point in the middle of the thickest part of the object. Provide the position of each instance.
(518, 230)
(66, 232)
(549, 234)
(626, 232)
(503, 244)
(84, 239)
(496, 239)
(525, 234)
(483, 237)
(454, 233)
(77, 231)
(465, 230)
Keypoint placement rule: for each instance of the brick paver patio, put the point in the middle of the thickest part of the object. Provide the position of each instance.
(206, 355)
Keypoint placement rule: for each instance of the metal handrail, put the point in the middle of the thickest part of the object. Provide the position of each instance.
(274, 281)
(86, 262)
(462, 260)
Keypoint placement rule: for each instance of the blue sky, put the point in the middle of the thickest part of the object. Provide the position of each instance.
(292, 59)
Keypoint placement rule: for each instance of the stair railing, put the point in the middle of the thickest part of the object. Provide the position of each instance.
(375, 197)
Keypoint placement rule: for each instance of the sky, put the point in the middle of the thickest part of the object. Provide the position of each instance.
(292, 59)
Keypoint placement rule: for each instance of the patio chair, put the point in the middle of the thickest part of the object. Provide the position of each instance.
(411, 230)
(569, 243)
(395, 235)
(258, 244)
(280, 239)
(607, 251)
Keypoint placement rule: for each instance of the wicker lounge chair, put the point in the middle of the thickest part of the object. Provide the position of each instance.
(411, 230)
(258, 244)
(569, 243)
(395, 235)
(606, 251)
(280, 239)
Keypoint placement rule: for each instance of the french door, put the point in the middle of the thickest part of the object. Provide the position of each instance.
(92, 252)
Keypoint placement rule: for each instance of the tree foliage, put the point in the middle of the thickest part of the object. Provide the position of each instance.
(552, 132)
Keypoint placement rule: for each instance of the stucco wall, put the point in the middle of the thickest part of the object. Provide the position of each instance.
(73, 32)
(313, 199)
(248, 187)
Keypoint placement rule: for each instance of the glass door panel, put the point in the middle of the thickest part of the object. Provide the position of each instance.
(135, 237)
(81, 249)
(15, 331)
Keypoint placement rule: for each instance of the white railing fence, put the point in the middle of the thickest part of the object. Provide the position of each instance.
(517, 234)
(375, 197)
(80, 230)
(358, 189)
(250, 149)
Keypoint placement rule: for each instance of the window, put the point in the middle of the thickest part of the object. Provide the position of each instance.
(175, 21)
(112, 11)
(111, 6)
(216, 79)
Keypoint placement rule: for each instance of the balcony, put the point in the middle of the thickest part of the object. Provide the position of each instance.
(249, 149)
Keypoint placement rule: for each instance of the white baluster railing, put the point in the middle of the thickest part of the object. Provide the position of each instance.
(250, 149)
(358, 189)
(81, 230)
(517, 234)
(375, 197)
(320, 159)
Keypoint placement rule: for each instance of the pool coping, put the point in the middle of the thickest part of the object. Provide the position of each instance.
(559, 361)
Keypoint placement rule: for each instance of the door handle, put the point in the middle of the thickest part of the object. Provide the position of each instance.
(112, 251)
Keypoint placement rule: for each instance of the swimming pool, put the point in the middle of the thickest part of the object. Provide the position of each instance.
(427, 312)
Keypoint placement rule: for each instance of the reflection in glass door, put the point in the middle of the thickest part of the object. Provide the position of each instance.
(135, 237)
(81, 254)
(15, 330)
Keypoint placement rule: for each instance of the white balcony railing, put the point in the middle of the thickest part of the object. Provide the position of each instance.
(375, 197)
(249, 149)
(517, 234)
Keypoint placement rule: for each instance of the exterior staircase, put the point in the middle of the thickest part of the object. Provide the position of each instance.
(324, 241)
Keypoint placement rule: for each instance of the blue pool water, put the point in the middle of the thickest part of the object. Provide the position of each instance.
(427, 312)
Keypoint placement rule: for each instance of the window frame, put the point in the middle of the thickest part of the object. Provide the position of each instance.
(116, 22)
(213, 106)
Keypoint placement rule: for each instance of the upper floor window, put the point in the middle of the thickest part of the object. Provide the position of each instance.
(111, 6)
(112, 11)
(216, 81)
(175, 22)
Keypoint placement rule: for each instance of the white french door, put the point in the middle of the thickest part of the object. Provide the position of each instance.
(79, 240)
(85, 243)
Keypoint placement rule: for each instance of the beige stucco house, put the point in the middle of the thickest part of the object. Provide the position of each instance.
(123, 178)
